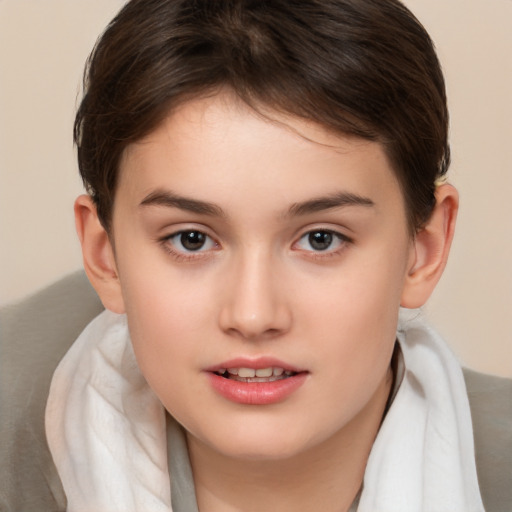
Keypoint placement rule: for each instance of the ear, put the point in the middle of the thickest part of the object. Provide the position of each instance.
(98, 255)
(431, 247)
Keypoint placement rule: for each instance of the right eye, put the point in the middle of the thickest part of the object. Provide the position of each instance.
(190, 241)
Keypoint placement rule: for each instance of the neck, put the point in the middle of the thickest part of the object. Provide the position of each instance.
(326, 477)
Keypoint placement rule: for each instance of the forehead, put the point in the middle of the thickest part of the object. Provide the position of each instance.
(220, 149)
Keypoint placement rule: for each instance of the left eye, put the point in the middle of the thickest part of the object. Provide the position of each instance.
(321, 241)
(191, 241)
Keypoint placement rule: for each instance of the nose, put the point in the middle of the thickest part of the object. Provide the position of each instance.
(255, 305)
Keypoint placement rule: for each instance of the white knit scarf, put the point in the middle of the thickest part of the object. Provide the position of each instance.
(106, 430)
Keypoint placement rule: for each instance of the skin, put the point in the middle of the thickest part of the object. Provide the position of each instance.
(258, 287)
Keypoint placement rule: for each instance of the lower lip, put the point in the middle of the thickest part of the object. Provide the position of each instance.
(256, 393)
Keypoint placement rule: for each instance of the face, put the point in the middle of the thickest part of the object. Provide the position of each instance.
(262, 264)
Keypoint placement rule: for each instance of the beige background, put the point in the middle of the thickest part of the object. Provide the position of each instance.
(43, 45)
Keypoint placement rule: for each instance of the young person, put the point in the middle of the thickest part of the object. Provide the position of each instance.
(265, 191)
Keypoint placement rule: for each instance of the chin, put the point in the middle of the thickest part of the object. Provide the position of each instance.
(262, 450)
(260, 442)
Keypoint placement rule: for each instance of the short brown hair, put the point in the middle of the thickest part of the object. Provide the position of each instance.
(361, 67)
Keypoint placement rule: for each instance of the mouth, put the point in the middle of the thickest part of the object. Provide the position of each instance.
(267, 382)
(260, 381)
(269, 374)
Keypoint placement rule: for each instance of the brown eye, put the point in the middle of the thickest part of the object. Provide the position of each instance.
(321, 240)
(190, 241)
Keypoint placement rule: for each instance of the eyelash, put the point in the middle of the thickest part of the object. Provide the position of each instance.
(341, 239)
(191, 255)
(187, 255)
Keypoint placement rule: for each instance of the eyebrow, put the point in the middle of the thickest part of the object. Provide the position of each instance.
(169, 199)
(338, 200)
(172, 200)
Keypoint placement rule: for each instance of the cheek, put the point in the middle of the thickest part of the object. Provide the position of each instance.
(366, 287)
(158, 293)
(354, 315)
(169, 317)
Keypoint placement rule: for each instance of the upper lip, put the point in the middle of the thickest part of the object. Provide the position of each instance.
(254, 363)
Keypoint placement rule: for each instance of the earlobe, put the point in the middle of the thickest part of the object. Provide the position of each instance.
(431, 248)
(98, 254)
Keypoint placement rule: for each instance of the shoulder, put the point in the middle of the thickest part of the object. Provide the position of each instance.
(34, 336)
(490, 400)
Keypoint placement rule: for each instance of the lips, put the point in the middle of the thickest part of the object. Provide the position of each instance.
(256, 382)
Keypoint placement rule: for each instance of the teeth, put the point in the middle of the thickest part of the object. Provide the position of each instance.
(249, 373)
(264, 372)
(246, 372)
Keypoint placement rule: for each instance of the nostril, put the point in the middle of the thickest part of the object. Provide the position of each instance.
(255, 335)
